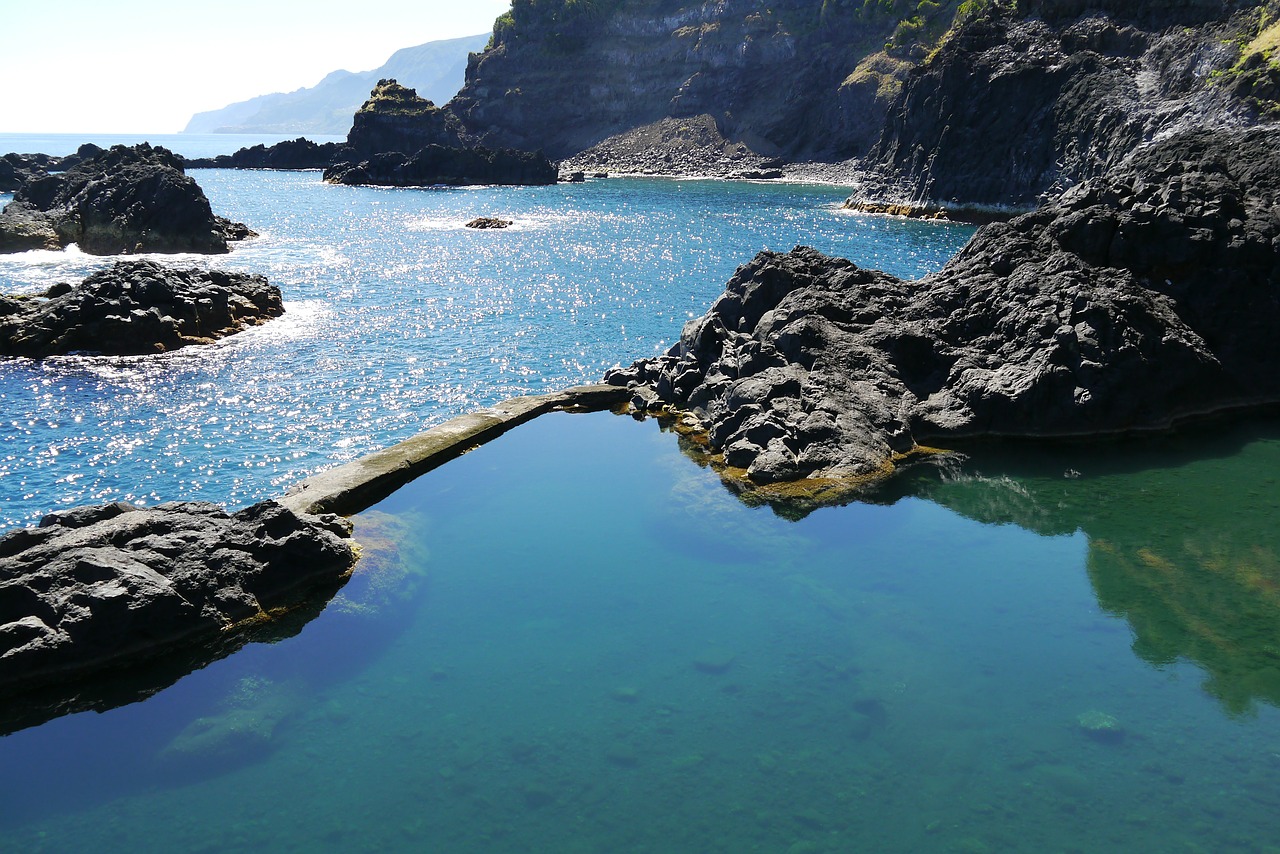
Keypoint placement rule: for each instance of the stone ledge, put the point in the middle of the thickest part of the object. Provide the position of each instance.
(361, 483)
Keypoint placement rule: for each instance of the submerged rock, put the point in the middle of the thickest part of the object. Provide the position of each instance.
(1136, 300)
(117, 201)
(97, 589)
(133, 308)
(489, 222)
(1100, 726)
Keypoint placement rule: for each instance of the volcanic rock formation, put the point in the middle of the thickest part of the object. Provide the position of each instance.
(100, 588)
(1024, 100)
(134, 308)
(122, 200)
(1138, 299)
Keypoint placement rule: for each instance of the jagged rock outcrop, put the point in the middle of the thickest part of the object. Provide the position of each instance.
(1138, 299)
(133, 308)
(401, 140)
(398, 139)
(97, 589)
(395, 118)
(16, 169)
(117, 201)
(1026, 99)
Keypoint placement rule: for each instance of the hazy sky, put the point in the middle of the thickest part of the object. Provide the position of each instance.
(145, 66)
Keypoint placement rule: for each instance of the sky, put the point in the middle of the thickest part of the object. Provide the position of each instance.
(146, 66)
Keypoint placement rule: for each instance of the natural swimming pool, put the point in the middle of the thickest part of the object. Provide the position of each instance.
(574, 639)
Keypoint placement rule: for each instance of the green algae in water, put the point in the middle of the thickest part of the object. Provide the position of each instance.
(905, 677)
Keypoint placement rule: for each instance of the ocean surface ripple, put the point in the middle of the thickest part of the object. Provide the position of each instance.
(398, 318)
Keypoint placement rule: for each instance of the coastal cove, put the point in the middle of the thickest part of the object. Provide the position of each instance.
(397, 318)
(575, 637)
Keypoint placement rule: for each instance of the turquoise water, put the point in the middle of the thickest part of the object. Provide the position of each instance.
(397, 318)
(574, 640)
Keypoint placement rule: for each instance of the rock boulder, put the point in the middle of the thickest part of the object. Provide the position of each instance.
(101, 588)
(134, 308)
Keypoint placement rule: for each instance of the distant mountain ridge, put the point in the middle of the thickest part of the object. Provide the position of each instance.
(436, 69)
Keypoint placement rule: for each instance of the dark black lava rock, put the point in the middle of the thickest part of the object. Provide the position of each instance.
(436, 164)
(300, 153)
(1026, 99)
(116, 201)
(100, 588)
(1144, 297)
(16, 169)
(135, 307)
(395, 118)
(398, 139)
(483, 222)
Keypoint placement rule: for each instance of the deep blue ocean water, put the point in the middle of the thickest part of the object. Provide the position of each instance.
(574, 639)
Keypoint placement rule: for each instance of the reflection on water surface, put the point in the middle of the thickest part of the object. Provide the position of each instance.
(1183, 540)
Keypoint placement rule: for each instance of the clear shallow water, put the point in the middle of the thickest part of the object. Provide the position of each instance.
(573, 639)
(398, 318)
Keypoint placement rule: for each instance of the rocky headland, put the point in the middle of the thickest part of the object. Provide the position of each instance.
(123, 200)
(135, 308)
(1138, 299)
(398, 139)
(106, 590)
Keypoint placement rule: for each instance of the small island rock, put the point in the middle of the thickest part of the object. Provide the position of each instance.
(489, 222)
